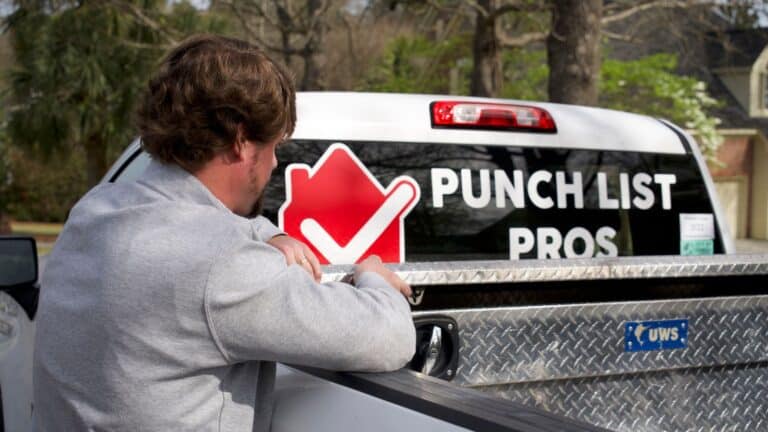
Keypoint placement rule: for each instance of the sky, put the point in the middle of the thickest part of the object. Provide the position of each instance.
(200, 4)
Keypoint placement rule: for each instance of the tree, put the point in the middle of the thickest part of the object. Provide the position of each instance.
(495, 26)
(743, 14)
(573, 51)
(5, 185)
(525, 74)
(573, 35)
(418, 65)
(288, 28)
(486, 73)
(650, 85)
(80, 66)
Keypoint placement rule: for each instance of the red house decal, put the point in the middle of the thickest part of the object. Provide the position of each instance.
(342, 212)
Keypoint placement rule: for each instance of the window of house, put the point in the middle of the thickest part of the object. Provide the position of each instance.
(764, 90)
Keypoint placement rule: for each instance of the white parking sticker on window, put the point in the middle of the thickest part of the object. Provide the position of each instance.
(697, 234)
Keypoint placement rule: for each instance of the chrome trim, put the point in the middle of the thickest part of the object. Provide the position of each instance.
(646, 267)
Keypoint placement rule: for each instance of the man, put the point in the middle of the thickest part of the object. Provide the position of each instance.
(163, 304)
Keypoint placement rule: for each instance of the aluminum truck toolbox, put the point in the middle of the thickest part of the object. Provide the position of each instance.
(574, 359)
(519, 344)
(571, 360)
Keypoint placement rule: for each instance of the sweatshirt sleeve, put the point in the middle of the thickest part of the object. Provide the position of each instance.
(264, 229)
(260, 309)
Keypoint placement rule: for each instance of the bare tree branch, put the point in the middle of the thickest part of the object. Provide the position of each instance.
(617, 36)
(667, 4)
(350, 42)
(284, 17)
(516, 7)
(140, 45)
(242, 13)
(243, 9)
(241, 17)
(316, 16)
(472, 4)
(481, 10)
(508, 41)
(170, 37)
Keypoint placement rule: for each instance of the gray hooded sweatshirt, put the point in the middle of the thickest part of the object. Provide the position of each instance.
(161, 310)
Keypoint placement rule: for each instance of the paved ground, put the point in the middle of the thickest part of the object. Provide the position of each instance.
(751, 246)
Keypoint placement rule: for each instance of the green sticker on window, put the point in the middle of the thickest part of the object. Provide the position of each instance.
(697, 247)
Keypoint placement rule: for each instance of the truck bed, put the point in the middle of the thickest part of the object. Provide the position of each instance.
(551, 335)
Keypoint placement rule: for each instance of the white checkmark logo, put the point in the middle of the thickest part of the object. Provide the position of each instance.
(401, 197)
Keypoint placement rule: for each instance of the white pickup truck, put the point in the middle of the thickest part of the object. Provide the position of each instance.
(571, 265)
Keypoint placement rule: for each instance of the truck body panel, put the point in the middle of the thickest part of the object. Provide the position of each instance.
(405, 118)
(573, 359)
(643, 340)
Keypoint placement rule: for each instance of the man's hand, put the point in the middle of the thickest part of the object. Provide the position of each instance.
(373, 264)
(297, 252)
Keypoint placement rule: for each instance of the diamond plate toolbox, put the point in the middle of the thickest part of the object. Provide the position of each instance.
(723, 398)
(522, 344)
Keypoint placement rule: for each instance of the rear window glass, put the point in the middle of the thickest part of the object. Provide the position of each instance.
(479, 202)
(410, 202)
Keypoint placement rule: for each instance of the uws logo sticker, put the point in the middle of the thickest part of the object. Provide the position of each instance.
(342, 211)
(655, 335)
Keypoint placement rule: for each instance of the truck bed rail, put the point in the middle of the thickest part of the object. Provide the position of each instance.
(463, 407)
(506, 271)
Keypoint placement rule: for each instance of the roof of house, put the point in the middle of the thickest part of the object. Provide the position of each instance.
(731, 114)
(702, 54)
(736, 48)
(733, 49)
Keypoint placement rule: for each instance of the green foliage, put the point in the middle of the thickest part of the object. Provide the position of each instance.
(186, 19)
(415, 64)
(525, 74)
(5, 178)
(43, 191)
(77, 72)
(650, 86)
(80, 68)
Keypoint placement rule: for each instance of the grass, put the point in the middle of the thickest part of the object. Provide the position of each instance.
(44, 233)
(36, 228)
(44, 249)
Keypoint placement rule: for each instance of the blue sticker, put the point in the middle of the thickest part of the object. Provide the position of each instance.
(655, 335)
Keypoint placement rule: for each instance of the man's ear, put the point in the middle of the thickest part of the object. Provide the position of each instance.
(238, 147)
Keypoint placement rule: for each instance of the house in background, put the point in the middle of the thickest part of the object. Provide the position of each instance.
(738, 76)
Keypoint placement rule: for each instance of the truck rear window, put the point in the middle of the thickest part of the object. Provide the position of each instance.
(439, 202)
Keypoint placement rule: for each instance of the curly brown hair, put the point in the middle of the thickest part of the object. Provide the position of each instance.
(204, 89)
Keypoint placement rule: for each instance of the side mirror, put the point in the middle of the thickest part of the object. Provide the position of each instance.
(18, 271)
(18, 262)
